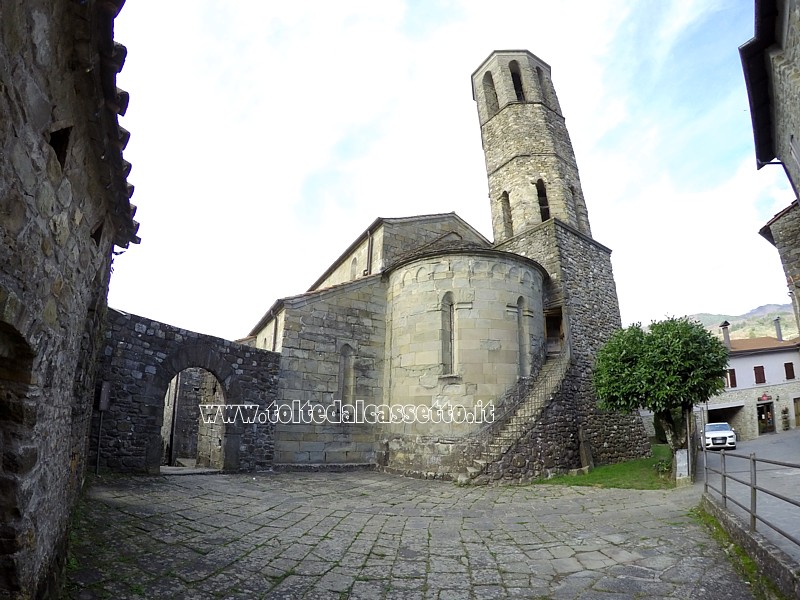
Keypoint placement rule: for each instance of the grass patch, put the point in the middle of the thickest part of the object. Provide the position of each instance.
(652, 473)
(762, 588)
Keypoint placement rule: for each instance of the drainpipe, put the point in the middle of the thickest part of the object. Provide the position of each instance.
(778, 332)
(726, 336)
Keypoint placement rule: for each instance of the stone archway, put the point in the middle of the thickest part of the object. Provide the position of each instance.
(203, 356)
(140, 358)
(191, 434)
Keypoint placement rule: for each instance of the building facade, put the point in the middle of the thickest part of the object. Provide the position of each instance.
(762, 386)
(428, 320)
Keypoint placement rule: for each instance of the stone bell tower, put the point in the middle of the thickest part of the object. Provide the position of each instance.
(531, 167)
(539, 211)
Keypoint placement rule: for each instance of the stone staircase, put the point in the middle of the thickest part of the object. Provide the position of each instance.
(517, 416)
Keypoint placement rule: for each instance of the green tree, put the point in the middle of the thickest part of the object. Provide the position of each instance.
(667, 370)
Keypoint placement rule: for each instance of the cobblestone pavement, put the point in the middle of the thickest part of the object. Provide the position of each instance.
(375, 536)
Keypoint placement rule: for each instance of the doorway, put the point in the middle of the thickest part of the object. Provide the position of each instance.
(797, 412)
(766, 418)
(553, 331)
(189, 439)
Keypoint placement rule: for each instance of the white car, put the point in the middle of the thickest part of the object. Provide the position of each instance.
(719, 435)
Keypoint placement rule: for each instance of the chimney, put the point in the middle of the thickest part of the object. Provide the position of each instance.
(778, 333)
(726, 337)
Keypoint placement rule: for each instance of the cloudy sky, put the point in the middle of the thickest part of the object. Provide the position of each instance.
(267, 135)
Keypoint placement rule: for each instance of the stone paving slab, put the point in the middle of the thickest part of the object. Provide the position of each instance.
(375, 536)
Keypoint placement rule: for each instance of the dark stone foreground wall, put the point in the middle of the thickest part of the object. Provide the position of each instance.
(139, 359)
(64, 204)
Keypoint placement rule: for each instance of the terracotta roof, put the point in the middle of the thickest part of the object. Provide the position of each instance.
(763, 343)
(766, 230)
(100, 66)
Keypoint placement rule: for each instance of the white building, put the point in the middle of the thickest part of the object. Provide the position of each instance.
(762, 387)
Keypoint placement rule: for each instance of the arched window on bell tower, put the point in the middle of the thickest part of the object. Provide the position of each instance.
(542, 88)
(505, 210)
(516, 78)
(544, 208)
(490, 95)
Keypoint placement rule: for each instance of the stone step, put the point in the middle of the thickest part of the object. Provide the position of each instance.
(474, 471)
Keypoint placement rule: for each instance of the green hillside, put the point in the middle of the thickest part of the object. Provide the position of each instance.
(756, 323)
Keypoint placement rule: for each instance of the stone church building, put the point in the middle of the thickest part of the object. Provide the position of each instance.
(478, 353)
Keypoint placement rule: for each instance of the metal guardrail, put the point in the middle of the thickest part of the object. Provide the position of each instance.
(752, 510)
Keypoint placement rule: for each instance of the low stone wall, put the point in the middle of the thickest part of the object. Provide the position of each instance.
(772, 562)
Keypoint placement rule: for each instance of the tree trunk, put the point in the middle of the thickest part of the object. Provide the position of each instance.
(676, 437)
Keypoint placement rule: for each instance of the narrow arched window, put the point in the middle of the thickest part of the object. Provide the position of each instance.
(347, 375)
(544, 208)
(505, 210)
(354, 268)
(522, 339)
(448, 334)
(490, 95)
(516, 78)
(540, 77)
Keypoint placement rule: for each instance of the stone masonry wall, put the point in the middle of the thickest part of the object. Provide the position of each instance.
(404, 235)
(317, 328)
(140, 358)
(786, 233)
(485, 289)
(394, 238)
(210, 437)
(592, 313)
(581, 273)
(63, 206)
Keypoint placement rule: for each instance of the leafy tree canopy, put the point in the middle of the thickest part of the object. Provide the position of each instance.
(673, 365)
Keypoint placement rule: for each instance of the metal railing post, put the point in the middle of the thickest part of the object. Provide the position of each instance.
(724, 483)
(753, 492)
(705, 465)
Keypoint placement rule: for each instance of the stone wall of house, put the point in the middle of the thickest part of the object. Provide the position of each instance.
(64, 205)
(140, 357)
(745, 419)
(785, 231)
(329, 337)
